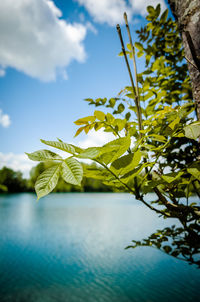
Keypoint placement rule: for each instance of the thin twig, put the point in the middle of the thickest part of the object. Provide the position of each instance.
(135, 72)
(129, 71)
(191, 63)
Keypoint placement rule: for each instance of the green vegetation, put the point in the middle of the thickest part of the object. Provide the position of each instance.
(156, 147)
(13, 182)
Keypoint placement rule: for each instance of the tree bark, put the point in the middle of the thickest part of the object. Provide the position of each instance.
(187, 14)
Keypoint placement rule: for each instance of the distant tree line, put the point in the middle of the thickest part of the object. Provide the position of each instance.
(12, 181)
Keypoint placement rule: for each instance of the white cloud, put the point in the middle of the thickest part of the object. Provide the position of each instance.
(35, 40)
(96, 139)
(4, 119)
(111, 11)
(17, 162)
(139, 7)
(2, 72)
(106, 11)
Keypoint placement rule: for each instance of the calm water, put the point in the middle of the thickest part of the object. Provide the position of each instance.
(70, 247)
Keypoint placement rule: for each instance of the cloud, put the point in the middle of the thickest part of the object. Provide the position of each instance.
(111, 11)
(106, 11)
(36, 41)
(2, 72)
(139, 7)
(96, 139)
(17, 162)
(4, 119)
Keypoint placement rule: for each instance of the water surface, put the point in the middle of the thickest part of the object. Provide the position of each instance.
(70, 247)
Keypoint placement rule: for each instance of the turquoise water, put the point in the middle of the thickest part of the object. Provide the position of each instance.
(70, 247)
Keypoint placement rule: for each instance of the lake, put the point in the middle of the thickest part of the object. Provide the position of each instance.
(70, 247)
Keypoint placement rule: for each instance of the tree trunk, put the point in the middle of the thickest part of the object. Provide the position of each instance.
(187, 14)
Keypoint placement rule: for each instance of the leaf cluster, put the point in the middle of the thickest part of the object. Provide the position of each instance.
(156, 146)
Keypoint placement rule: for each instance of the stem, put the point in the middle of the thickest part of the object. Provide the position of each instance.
(113, 129)
(139, 116)
(135, 72)
(130, 75)
(191, 63)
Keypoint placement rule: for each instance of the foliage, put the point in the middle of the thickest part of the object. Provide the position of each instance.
(11, 181)
(156, 147)
(88, 184)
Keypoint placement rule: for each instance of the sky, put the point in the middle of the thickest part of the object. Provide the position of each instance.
(53, 55)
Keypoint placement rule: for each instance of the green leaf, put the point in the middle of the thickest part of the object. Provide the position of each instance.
(139, 46)
(120, 109)
(170, 177)
(47, 181)
(174, 123)
(77, 149)
(119, 123)
(194, 170)
(150, 10)
(43, 155)
(99, 115)
(121, 54)
(126, 163)
(135, 172)
(158, 10)
(112, 103)
(110, 118)
(79, 131)
(140, 54)
(193, 130)
(114, 149)
(163, 17)
(97, 174)
(90, 153)
(157, 137)
(60, 145)
(85, 120)
(72, 171)
(127, 116)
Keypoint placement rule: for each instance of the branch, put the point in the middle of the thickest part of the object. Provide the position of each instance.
(132, 191)
(192, 49)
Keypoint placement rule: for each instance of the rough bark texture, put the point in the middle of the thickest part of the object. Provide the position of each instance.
(187, 14)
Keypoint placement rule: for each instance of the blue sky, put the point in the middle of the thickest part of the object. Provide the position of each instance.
(53, 54)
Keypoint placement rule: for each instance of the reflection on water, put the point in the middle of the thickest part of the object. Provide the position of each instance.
(180, 242)
(70, 247)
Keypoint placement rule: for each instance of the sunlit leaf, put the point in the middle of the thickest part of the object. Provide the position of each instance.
(114, 149)
(43, 155)
(194, 170)
(47, 181)
(60, 145)
(72, 171)
(193, 130)
(99, 115)
(126, 163)
(85, 120)
(90, 153)
(170, 177)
